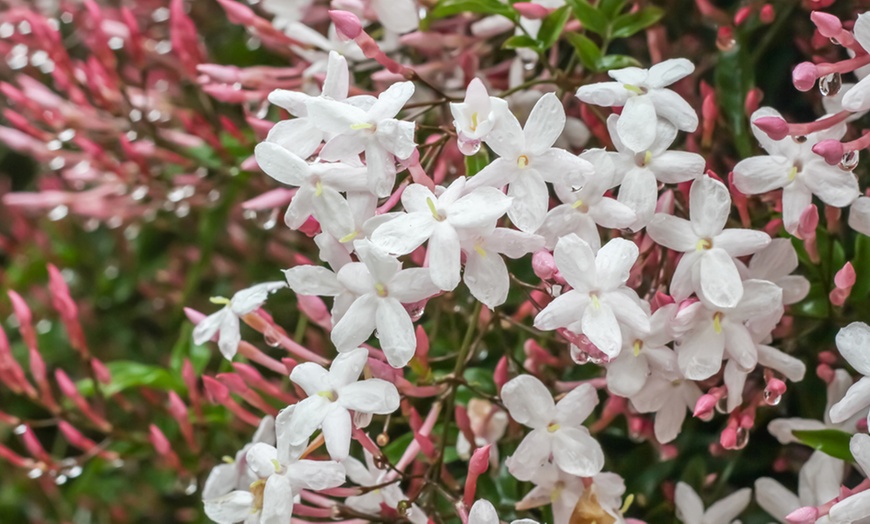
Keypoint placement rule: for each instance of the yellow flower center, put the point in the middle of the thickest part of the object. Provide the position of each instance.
(717, 322)
(638, 345)
(381, 289)
(434, 210)
(553, 427)
(704, 244)
(221, 301)
(361, 125)
(522, 161)
(328, 395)
(257, 488)
(474, 122)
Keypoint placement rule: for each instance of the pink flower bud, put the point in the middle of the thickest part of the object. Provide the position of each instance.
(767, 14)
(775, 127)
(25, 318)
(831, 150)
(158, 440)
(500, 375)
(829, 25)
(753, 100)
(742, 14)
(216, 392)
(804, 515)
(804, 76)
(531, 10)
(101, 371)
(478, 465)
(704, 407)
(75, 437)
(233, 382)
(544, 265)
(237, 13)
(347, 24)
(728, 438)
(808, 223)
(844, 280)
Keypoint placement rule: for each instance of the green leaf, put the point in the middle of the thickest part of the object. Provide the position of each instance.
(128, 374)
(518, 41)
(591, 18)
(475, 163)
(861, 263)
(587, 50)
(734, 76)
(629, 24)
(551, 27)
(446, 8)
(830, 441)
(616, 62)
(611, 8)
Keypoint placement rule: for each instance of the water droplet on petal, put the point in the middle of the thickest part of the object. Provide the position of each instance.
(722, 405)
(849, 161)
(829, 85)
(725, 42)
(380, 462)
(771, 399)
(742, 438)
(468, 147)
(800, 139)
(34, 473)
(272, 338)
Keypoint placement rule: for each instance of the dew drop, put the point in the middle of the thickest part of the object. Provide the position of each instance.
(271, 338)
(468, 147)
(829, 85)
(58, 212)
(800, 139)
(742, 438)
(416, 312)
(725, 42)
(722, 405)
(849, 161)
(60, 480)
(20, 429)
(34, 473)
(579, 356)
(771, 399)
(380, 462)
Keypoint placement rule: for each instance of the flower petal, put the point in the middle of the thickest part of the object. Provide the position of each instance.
(853, 342)
(637, 123)
(720, 282)
(395, 332)
(544, 125)
(336, 432)
(357, 324)
(487, 278)
(370, 396)
(528, 401)
(444, 257)
(577, 453)
(709, 206)
(530, 200)
(405, 233)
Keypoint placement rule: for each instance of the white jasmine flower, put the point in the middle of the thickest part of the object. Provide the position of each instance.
(528, 160)
(475, 117)
(819, 482)
(556, 429)
(372, 130)
(707, 332)
(441, 220)
(381, 286)
(368, 474)
(574, 501)
(300, 135)
(319, 185)
(332, 395)
(234, 474)
(279, 474)
(644, 98)
(783, 428)
(599, 301)
(707, 266)
(584, 209)
(486, 274)
(797, 170)
(640, 172)
(225, 322)
(669, 395)
(858, 97)
(776, 263)
(488, 424)
(641, 354)
(690, 507)
(853, 342)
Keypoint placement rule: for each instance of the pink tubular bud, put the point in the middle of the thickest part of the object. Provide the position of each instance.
(843, 280)
(742, 14)
(101, 371)
(753, 100)
(804, 515)
(544, 265)
(728, 438)
(829, 25)
(705, 405)
(531, 10)
(159, 441)
(804, 76)
(775, 388)
(808, 223)
(216, 392)
(60, 296)
(500, 376)
(75, 437)
(775, 127)
(233, 382)
(346, 23)
(831, 150)
(25, 319)
(237, 13)
(767, 14)
(478, 465)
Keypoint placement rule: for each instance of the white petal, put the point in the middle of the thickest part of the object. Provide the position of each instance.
(357, 324)
(530, 200)
(699, 353)
(859, 215)
(528, 401)
(334, 117)
(333, 212)
(613, 263)
(313, 280)
(395, 332)
(710, 205)
(229, 337)
(775, 499)
(604, 94)
(346, 368)
(565, 310)
(482, 512)
(727, 509)
(577, 405)
(299, 136)
(404, 233)
(672, 232)
(336, 432)
(444, 257)
(669, 71)
(370, 396)
(855, 400)
(675, 167)
(853, 342)
(720, 282)
(316, 474)
(480, 208)
(530, 455)
(277, 500)
(760, 174)
(544, 125)
(673, 108)
(487, 278)
(209, 326)
(311, 377)
(637, 123)
(230, 508)
(577, 453)
(391, 101)
(669, 421)
(506, 137)
(690, 508)
(600, 326)
(396, 15)
(576, 262)
(412, 285)
(627, 374)
(306, 418)
(280, 164)
(397, 137)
